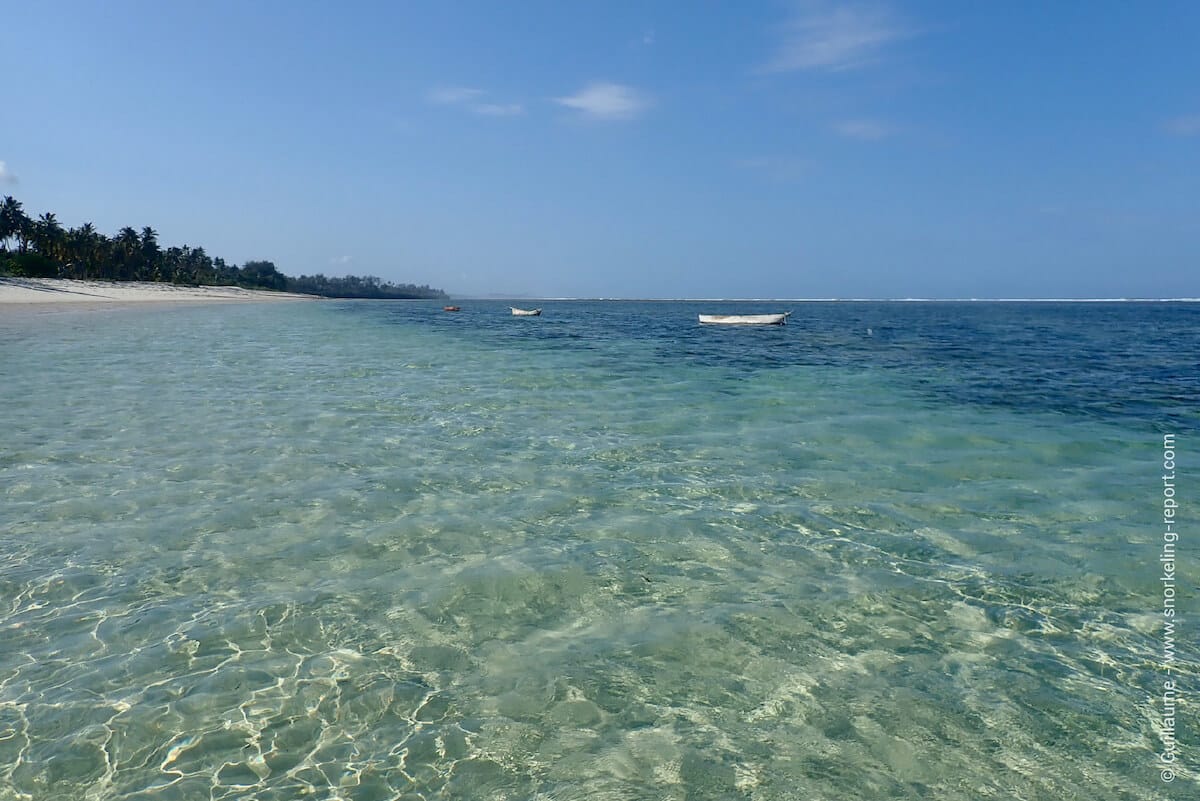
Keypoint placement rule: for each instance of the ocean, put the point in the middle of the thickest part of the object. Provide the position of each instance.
(373, 550)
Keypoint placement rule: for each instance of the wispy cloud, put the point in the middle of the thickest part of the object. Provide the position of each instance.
(498, 109)
(340, 261)
(607, 101)
(864, 130)
(6, 177)
(1188, 125)
(470, 99)
(823, 36)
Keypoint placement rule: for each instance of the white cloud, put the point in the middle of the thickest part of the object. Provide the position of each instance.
(498, 109)
(821, 36)
(453, 95)
(468, 98)
(864, 130)
(607, 101)
(1180, 126)
(340, 261)
(6, 177)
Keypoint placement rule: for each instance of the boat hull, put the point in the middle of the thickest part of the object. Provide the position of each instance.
(526, 312)
(744, 319)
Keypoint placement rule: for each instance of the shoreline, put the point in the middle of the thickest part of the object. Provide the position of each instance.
(43, 292)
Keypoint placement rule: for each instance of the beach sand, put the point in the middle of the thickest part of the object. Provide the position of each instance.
(31, 291)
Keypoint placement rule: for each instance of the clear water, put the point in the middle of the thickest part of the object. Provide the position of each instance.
(373, 550)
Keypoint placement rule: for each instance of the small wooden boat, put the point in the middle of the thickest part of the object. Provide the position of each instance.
(451, 308)
(525, 312)
(744, 319)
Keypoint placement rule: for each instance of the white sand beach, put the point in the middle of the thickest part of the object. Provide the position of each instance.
(30, 291)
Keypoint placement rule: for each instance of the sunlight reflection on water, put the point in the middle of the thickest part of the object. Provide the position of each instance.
(369, 551)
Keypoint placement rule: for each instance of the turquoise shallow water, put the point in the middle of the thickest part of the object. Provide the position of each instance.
(372, 550)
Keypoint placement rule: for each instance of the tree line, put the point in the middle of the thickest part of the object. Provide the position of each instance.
(43, 248)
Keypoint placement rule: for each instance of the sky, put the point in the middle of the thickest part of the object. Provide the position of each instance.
(646, 149)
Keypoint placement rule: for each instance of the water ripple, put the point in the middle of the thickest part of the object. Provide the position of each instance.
(369, 551)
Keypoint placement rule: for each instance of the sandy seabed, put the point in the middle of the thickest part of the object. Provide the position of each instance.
(38, 291)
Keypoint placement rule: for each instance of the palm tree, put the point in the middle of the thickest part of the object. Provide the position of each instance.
(202, 267)
(151, 256)
(126, 245)
(84, 251)
(172, 259)
(49, 237)
(13, 222)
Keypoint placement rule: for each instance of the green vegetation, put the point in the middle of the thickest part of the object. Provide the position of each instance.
(42, 248)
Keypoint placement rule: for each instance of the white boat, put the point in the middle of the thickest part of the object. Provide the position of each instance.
(744, 319)
(525, 312)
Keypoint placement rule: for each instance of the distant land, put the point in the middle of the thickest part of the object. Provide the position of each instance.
(43, 248)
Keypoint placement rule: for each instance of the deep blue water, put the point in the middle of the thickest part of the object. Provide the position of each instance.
(1118, 361)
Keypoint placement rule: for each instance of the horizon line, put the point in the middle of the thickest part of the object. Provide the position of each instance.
(825, 300)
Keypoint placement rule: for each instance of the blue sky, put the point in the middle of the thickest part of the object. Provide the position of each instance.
(698, 149)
